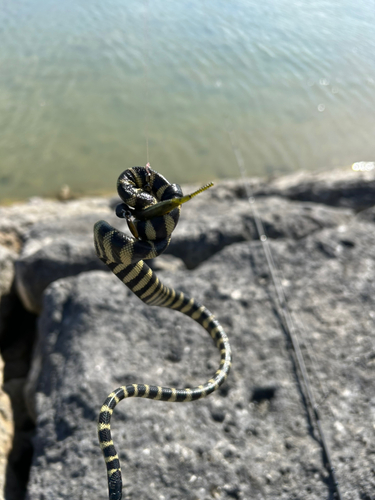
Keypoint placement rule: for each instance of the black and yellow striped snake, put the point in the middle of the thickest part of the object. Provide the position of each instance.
(152, 210)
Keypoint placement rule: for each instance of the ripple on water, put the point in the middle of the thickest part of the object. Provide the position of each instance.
(296, 79)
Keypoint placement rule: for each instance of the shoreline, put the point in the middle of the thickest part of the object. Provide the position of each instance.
(65, 193)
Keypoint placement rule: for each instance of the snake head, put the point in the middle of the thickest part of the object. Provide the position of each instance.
(138, 188)
(123, 210)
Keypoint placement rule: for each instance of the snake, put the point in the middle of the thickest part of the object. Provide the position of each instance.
(151, 206)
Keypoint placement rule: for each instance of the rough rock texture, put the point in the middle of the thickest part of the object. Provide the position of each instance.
(367, 215)
(17, 333)
(344, 188)
(211, 224)
(53, 250)
(56, 249)
(43, 221)
(17, 219)
(6, 431)
(251, 440)
(7, 258)
(20, 457)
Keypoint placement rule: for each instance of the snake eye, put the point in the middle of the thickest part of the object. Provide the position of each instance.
(122, 210)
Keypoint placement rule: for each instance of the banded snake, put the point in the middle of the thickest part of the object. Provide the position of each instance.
(151, 206)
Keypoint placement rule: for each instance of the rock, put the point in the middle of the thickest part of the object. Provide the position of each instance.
(16, 220)
(222, 216)
(94, 335)
(17, 333)
(199, 235)
(166, 263)
(53, 250)
(17, 341)
(252, 439)
(10, 240)
(341, 187)
(7, 258)
(6, 431)
(15, 389)
(367, 215)
(19, 459)
(287, 219)
(57, 221)
(207, 226)
(57, 249)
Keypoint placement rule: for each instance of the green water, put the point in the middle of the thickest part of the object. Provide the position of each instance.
(79, 81)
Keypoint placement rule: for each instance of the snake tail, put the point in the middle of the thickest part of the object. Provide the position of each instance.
(140, 188)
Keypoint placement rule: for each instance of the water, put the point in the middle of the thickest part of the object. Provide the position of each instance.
(80, 80)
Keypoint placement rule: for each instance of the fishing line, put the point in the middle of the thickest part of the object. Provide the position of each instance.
(324, 392)
(285, 315)
(282, 305)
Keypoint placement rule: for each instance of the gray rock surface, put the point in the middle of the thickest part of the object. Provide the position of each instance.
(17, 219)
(367, 215)
(252, 440)
(343, 187)
(6, 431)
(17, 333)
(209, 225)
(53, 250)
(7, 259)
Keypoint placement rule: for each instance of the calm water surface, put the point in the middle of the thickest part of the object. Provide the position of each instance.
(79, 81)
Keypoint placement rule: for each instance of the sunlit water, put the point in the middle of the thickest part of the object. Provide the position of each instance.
(81, 82)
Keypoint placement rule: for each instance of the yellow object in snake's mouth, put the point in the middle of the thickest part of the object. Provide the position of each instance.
(164, 207)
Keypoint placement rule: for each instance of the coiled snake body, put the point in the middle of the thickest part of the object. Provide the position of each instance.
(152, 209)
